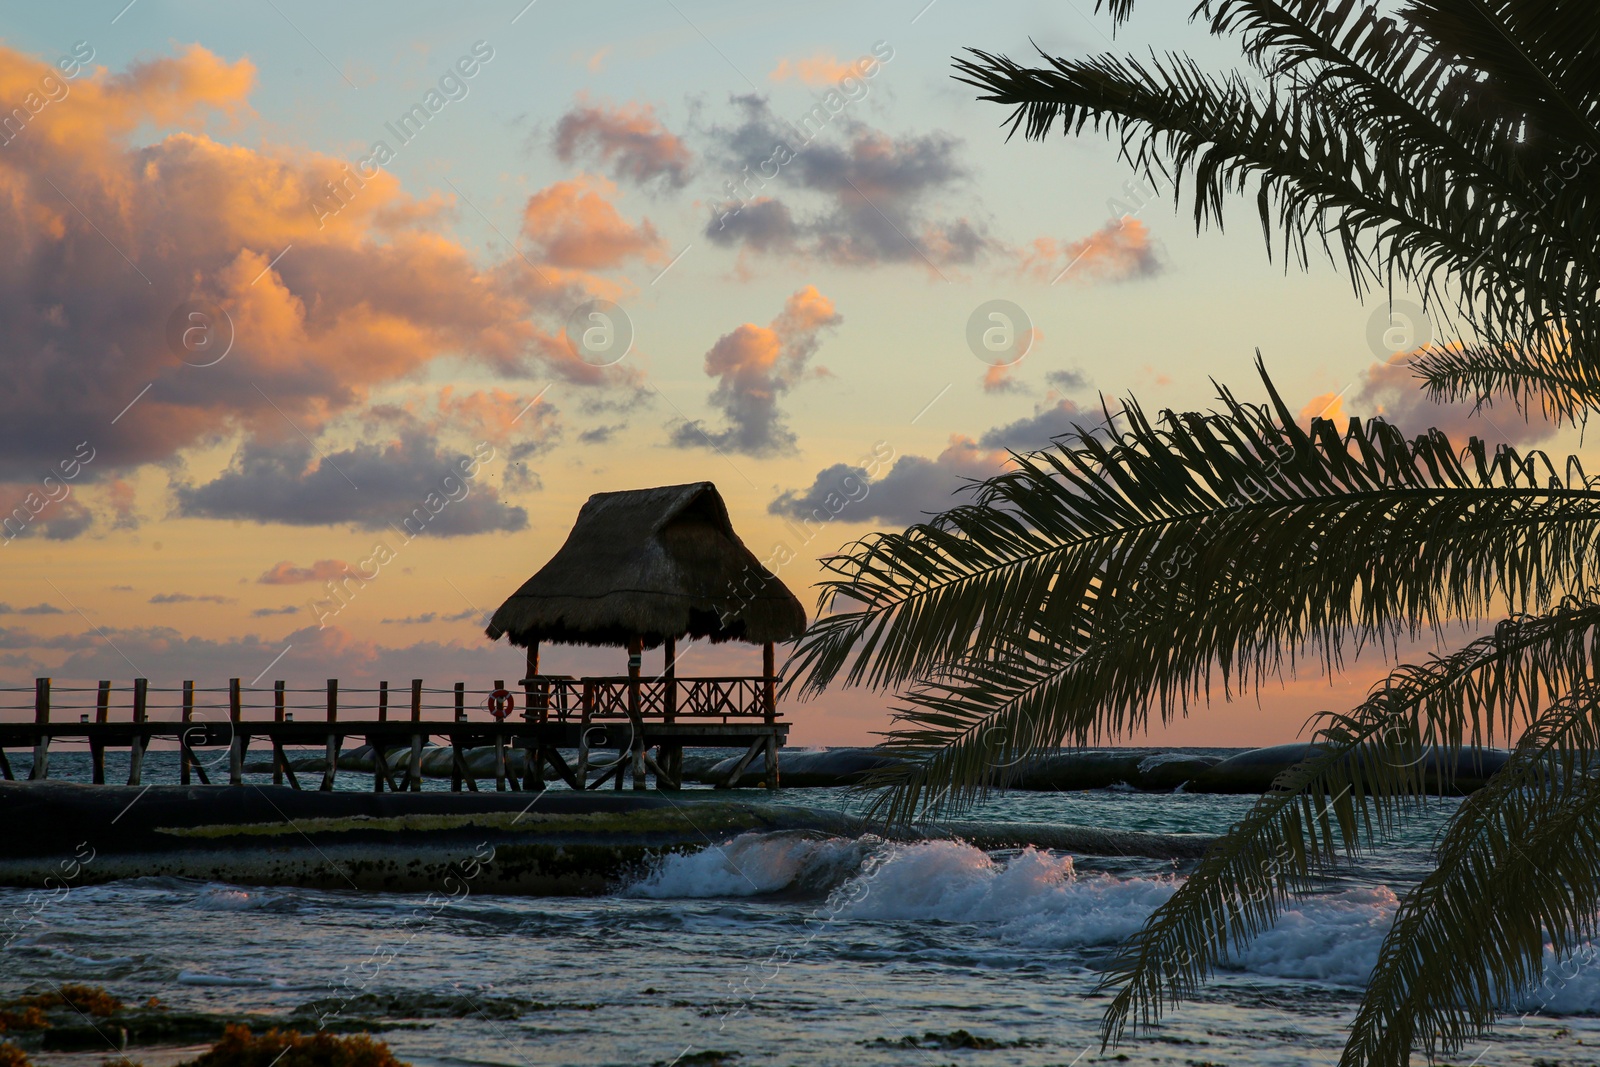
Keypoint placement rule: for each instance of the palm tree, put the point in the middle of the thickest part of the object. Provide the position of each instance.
(1137, 570)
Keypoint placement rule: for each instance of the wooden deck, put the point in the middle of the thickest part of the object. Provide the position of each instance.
(611, 724)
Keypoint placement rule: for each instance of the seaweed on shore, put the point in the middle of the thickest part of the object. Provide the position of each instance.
(955, 1039)
(409, 1005)
(238, 1047)
(75, 1018)
(289, 1048)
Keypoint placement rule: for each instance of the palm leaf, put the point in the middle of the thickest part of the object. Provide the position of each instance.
(1367, 773)
(1515, 870)
(1444, 150)
(1249, 538)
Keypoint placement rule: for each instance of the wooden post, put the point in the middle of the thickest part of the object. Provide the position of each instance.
(235, 742)
(278, 758)
(772, 762)
(41, 717)
(739, 768)
(187, 715)
(141, 693)
(533, 759)
(499, 748)
(669, 674)
(581, 772)
(457, 757)
(189, 761)
(332, 752)
(635, 671)
(671, 754)
(97, 746)
(769, 682)
(380, 765)
(415, 770)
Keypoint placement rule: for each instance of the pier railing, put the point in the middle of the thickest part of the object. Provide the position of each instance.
(556, 698)
(543, 698)
(554, 711)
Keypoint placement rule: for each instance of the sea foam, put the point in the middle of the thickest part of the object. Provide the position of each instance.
(755, 865)
(1038, 899)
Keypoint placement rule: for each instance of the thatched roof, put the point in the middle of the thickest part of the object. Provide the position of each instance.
(658, 563)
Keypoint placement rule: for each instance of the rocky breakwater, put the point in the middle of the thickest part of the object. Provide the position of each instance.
(448, 844)
(1461, 771)
(1068, 770)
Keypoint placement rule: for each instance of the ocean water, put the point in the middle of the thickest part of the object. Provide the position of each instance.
(788, 949)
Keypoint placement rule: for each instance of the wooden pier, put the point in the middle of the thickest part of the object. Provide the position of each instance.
(610, 723)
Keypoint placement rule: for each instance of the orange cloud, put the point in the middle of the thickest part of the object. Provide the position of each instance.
(1117, 252)
(106, 238)
(573, 224)
(1326, 406)
(755, 365)
(997, 379)
(821, 69)
(286, 573)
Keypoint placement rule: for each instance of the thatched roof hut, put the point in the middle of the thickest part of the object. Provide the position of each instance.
(650, 566)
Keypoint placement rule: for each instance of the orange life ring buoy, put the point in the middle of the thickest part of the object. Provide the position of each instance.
(500, 704)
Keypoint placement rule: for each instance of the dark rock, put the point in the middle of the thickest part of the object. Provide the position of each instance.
(1254, 771)
(802, 769)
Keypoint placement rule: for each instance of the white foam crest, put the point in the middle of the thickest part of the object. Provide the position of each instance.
(1034, 896)
(1571, 985)
(1037, 898)
(1330, 939)
(753, 864)
(187, 977)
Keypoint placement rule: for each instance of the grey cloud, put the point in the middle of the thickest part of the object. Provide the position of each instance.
(629, 141)
(1068, 380)
(916, 487)
(369, 486)
(1035, 431)
(36, 609)
(880, 193)
(433, 616)
(755, 366)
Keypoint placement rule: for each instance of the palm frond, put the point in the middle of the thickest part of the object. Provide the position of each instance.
(1369, 769)
(1249, 539)
(1446, 150)
(1537, 379)
(1515, 871)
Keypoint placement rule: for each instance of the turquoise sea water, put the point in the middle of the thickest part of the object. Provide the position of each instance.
(786, 949)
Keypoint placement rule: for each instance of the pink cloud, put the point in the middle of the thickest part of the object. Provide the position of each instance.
(755, 365)
(574, 224)
(628, 140)
(1117, 252)
(821, 69)
(1391, 390)
(286, 573)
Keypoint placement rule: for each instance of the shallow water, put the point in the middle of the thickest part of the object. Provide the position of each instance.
(786, 949)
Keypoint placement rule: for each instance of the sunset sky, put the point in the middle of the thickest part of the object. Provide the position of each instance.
(397, 212)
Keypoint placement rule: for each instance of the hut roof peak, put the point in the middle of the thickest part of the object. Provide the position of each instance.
(655, 563)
